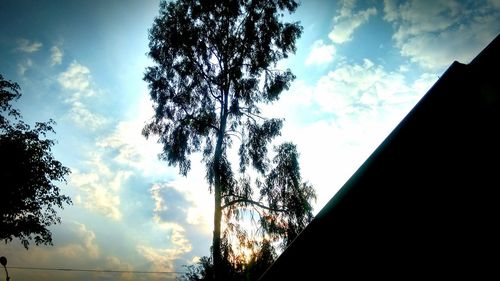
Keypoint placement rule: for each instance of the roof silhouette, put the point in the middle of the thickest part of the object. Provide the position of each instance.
(425, 203)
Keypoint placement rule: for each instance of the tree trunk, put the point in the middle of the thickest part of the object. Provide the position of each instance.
(216, 244)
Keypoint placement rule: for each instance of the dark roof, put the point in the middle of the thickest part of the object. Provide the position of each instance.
(425, 202)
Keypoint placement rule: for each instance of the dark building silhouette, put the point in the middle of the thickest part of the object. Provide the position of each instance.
(425, 204)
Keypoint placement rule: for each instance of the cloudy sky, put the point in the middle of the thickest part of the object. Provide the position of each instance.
(360, 66)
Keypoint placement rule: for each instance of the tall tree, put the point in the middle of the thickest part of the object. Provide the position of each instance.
(28, 170)
(215, 64)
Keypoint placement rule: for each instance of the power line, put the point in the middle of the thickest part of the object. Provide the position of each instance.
(95, 270)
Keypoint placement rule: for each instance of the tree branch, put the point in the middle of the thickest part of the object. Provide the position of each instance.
(252, 202)
(234, 135)
(209, 80)
(252, 115)
(191, 116)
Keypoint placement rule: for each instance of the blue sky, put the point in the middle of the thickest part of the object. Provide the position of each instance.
(360, 66)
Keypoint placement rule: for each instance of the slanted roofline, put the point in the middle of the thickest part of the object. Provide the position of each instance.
(425, 202)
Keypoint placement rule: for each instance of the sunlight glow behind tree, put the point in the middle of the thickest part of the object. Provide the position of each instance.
(215, 64)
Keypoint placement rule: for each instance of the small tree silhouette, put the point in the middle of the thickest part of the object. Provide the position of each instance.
(3, 262)
(27, 170)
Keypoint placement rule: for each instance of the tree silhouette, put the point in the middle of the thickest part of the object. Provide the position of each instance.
(257, 264)
(27, 171)
(215, 64)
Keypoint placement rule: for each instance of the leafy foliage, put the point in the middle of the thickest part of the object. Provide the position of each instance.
(203, 270)
(210, 56)
(259, 261)
(285, 191)
(27, 169)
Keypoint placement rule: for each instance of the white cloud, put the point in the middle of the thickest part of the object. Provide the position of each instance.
(99, 188)
(195, 189)
(84, 118)
(23, 66)
(162, 259)
(56, 55)
(176, 209)
(75, 246)
(435, 33)
(134, 150)
(77, 81)
(26, 46)
(82, 250)
(358, 88)
(88, 245)
(423, 83)
(404, 68)
(347, 21)
(295, 100)
(390, 10)
(136, 153)
(159, 202)
(341, 119)
(198, 206)
(115, 263)
(76, 78)
(88, 238)
(321, 53)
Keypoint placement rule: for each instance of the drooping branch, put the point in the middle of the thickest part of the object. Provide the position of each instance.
(241, 200)
(233, 135)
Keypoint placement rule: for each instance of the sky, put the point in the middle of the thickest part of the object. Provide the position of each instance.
(361, 66)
